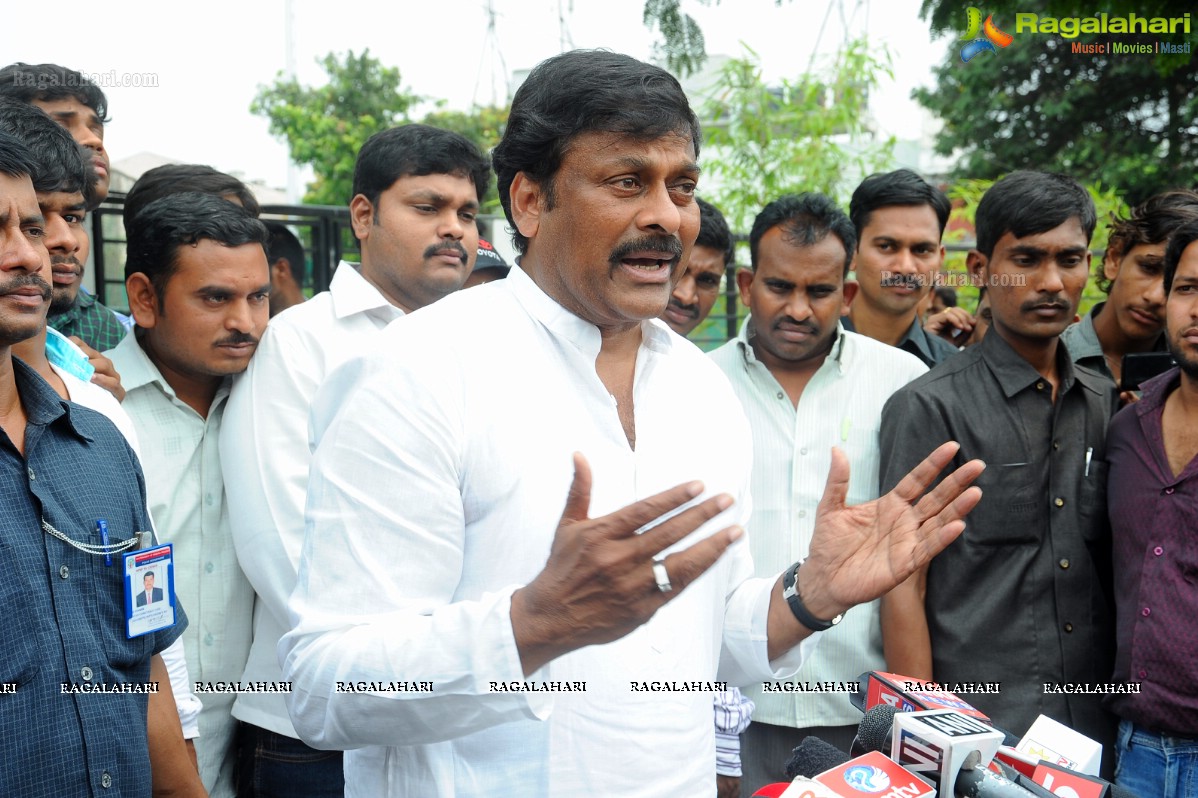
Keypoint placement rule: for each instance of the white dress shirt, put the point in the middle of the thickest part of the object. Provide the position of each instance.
(181, 460)
(94, 397)
(792, 452)
(442, 465)
(266, 454)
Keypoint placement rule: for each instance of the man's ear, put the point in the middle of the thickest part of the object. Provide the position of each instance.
(527, 198)
(361, 216)
(280, 270)
(975, 264)
(851, 287)
(744, 283)
(143, 300)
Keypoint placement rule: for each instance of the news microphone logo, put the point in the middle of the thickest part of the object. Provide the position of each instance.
(866, 778)
(984, 43)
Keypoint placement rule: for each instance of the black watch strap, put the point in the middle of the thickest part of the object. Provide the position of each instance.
(790, 591)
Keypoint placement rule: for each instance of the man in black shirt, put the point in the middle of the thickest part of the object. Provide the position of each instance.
(1023, 597)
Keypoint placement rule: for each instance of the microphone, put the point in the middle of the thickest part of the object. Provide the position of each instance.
(874, 731)
(812, 757)
(942, 743)
(1060, 745)
(907, 694)
(872, 775)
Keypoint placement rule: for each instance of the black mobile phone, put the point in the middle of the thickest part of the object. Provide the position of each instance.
(1139, 367)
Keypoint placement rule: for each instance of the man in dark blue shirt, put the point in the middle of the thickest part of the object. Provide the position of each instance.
(73, 718)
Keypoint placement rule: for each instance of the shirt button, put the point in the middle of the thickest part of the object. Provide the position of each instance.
(1056, 445)
(1064, 564)
(209, 568)
(1068, 627)
(1040, 386)
(64, 572)
(803, 450)
(1143, 674)
(1059, 502)
(1158, 551)
(802, 513)
(208, 639)
(1145, 612)
(780, 395)
(86, 673)
(105, 780)
(1168, 491)
(31, 474)
(208, 499)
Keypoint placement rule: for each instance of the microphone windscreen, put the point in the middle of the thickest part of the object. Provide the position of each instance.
(873, 732)
(812, 757)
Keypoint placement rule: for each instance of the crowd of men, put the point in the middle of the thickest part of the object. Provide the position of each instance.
(457, 528)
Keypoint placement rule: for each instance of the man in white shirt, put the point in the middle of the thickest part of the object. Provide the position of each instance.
(416, 193)
(806, 386)
(442, 629)
(198, 286)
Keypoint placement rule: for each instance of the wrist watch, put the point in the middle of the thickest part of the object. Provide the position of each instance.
(790, 592)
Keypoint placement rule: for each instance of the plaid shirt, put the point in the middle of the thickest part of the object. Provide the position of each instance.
(91, 321)
(65, 623)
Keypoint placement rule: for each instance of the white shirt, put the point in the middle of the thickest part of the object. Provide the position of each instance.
(440, 474)
(181, 461)
(94, 397)
(792, 453)
(265, 452)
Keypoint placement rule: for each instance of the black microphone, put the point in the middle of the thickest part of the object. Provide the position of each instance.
(874, 731)
(812, 757)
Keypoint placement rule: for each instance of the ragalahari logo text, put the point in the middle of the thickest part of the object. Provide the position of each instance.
(991, 35)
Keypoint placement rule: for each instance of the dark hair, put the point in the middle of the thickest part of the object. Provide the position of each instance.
(58, 162)
(947, 295)
(900, 187)
(284, 244)
(1182, 237)
(157, 232)
(176, 178)
(806, 219)
(1150, 222)
(15, 158)
(50, 82)
(714, 232)
(584, 91)
(1026, 203)
(147, 573)
(417, 150)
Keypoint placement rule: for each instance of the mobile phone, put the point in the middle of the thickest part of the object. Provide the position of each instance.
(1139, 367)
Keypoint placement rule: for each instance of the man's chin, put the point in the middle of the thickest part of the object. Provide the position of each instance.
(62, 300)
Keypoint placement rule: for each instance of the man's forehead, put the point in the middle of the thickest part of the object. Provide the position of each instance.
(624, 146)
(66, 107)
(1068, 234)
(60, 200)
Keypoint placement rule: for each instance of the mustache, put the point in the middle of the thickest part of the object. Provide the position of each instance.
(238, 338)
(436, 249)
(27, 281)
(691, 309)
(805, 326)
(1054, 301)
(666, 245)
(58, 260)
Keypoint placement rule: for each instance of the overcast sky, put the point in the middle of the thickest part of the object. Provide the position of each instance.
(208, 59)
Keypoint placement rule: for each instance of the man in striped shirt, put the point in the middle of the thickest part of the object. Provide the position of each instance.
(806, 385)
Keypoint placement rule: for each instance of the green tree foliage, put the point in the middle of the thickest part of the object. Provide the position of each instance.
(325, 126)
(1123, 120)
(1037, 105)
(806, 134)
(682, 47)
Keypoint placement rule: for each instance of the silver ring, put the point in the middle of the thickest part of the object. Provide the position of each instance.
(663, 578)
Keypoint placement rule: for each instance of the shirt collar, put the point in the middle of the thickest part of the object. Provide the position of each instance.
(1083, 341)
(1015, 374)
(655, 335)
(43, 406)
(915, 334)
(841, 354)
(1157, 390)
(352, 293)
(137, 370)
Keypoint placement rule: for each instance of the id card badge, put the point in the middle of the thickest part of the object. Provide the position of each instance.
(149, 590)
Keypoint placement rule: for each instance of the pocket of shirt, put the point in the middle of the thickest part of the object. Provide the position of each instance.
(123, 653)
(19, 658)
(1012, 507)
(1093, 498)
